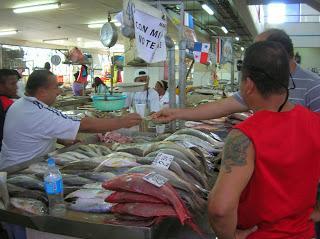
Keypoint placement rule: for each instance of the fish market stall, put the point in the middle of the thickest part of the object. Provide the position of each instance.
(109, 187)
(71, 102)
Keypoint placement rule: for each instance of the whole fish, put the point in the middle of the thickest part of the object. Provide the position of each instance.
(136, 183)
(36, 168)
(26, 181)
(173, 152)
(29, 205)
(174, 167)
(81, 165)
(88, 151)
(117, 160)
(193, 140)
(74, 180)
(4, 195)
(171, 145)
(183, 165)
(92, 205)
(174, 180)
(88, 193)
(27, 193)
(93, 186)
(75, 154)
(97, 176)
(201, 135)
(134, 148)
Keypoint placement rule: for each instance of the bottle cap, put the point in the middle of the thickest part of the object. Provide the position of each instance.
(51, 162)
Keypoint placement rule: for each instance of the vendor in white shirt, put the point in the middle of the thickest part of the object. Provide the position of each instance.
(162, 88)
(149, 96)
(32, 126)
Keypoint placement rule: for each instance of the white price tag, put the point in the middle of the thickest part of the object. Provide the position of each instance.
(155, 179)
(163, 160)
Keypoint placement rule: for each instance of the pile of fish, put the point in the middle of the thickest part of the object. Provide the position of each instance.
(139, 200)
(121, 171)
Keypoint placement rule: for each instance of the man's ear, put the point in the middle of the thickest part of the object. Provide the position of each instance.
(250, 86)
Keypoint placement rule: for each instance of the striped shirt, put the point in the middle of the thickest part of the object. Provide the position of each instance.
(306, 92)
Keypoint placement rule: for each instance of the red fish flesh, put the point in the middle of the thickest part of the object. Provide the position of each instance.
(130, 197)
(136, 183)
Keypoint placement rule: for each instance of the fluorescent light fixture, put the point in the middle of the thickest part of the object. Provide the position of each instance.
(242, 48)
(237, 38)
(95, 25)
(36, 8)
(224, 29)
(207, 9)
(276, 13)
(8, 32)
(57, 39)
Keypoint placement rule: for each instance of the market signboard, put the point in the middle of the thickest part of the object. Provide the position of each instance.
(149, 37)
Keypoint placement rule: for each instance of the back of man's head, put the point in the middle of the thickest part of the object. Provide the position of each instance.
(279, 36)
(4, 73)
(267, 65)
(38, 79)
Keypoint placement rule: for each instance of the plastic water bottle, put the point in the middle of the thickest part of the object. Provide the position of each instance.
(54, 188)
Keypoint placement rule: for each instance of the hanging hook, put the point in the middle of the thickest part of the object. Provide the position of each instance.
(109, 17)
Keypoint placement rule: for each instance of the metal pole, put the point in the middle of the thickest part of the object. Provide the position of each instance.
(172, 84)
(182, 65)
(232, 75)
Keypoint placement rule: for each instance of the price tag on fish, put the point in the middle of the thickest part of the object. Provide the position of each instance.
(155, 179)
(163, 160)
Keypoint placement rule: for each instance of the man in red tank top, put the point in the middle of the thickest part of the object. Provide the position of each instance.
(8, 90)
(270, 164)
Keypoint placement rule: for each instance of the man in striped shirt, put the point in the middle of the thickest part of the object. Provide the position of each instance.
(304, 89)
(305, 85)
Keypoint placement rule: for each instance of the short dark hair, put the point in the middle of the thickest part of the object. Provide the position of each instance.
(267, 65)
(47, 66)
(38, 79)
(164, 84)
(4, 73)
(282, 37)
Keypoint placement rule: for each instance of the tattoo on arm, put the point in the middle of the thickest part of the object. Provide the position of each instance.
(235, 150)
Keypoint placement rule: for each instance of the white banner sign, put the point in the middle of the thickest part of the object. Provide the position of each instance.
(149, 34)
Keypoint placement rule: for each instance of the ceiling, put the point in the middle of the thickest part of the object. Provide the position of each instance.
(70, 22)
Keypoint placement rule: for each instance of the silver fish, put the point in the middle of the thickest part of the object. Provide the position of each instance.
(74, 180)
(134, 148)
(97, 176)
(92, 205)
(4, 195)
(88, 193)
(26, 181)
(117, 160)
(202, 180)
(81, 165)
(201, 135)
(193, 140)
(172, 145)
(29, 205)
(173, 179)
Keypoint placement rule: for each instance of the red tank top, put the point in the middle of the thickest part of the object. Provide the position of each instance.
(6, 102)
(281, 193)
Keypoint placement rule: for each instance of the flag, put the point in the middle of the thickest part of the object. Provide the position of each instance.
(201, 52)
(188, 20)
(218, 50)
